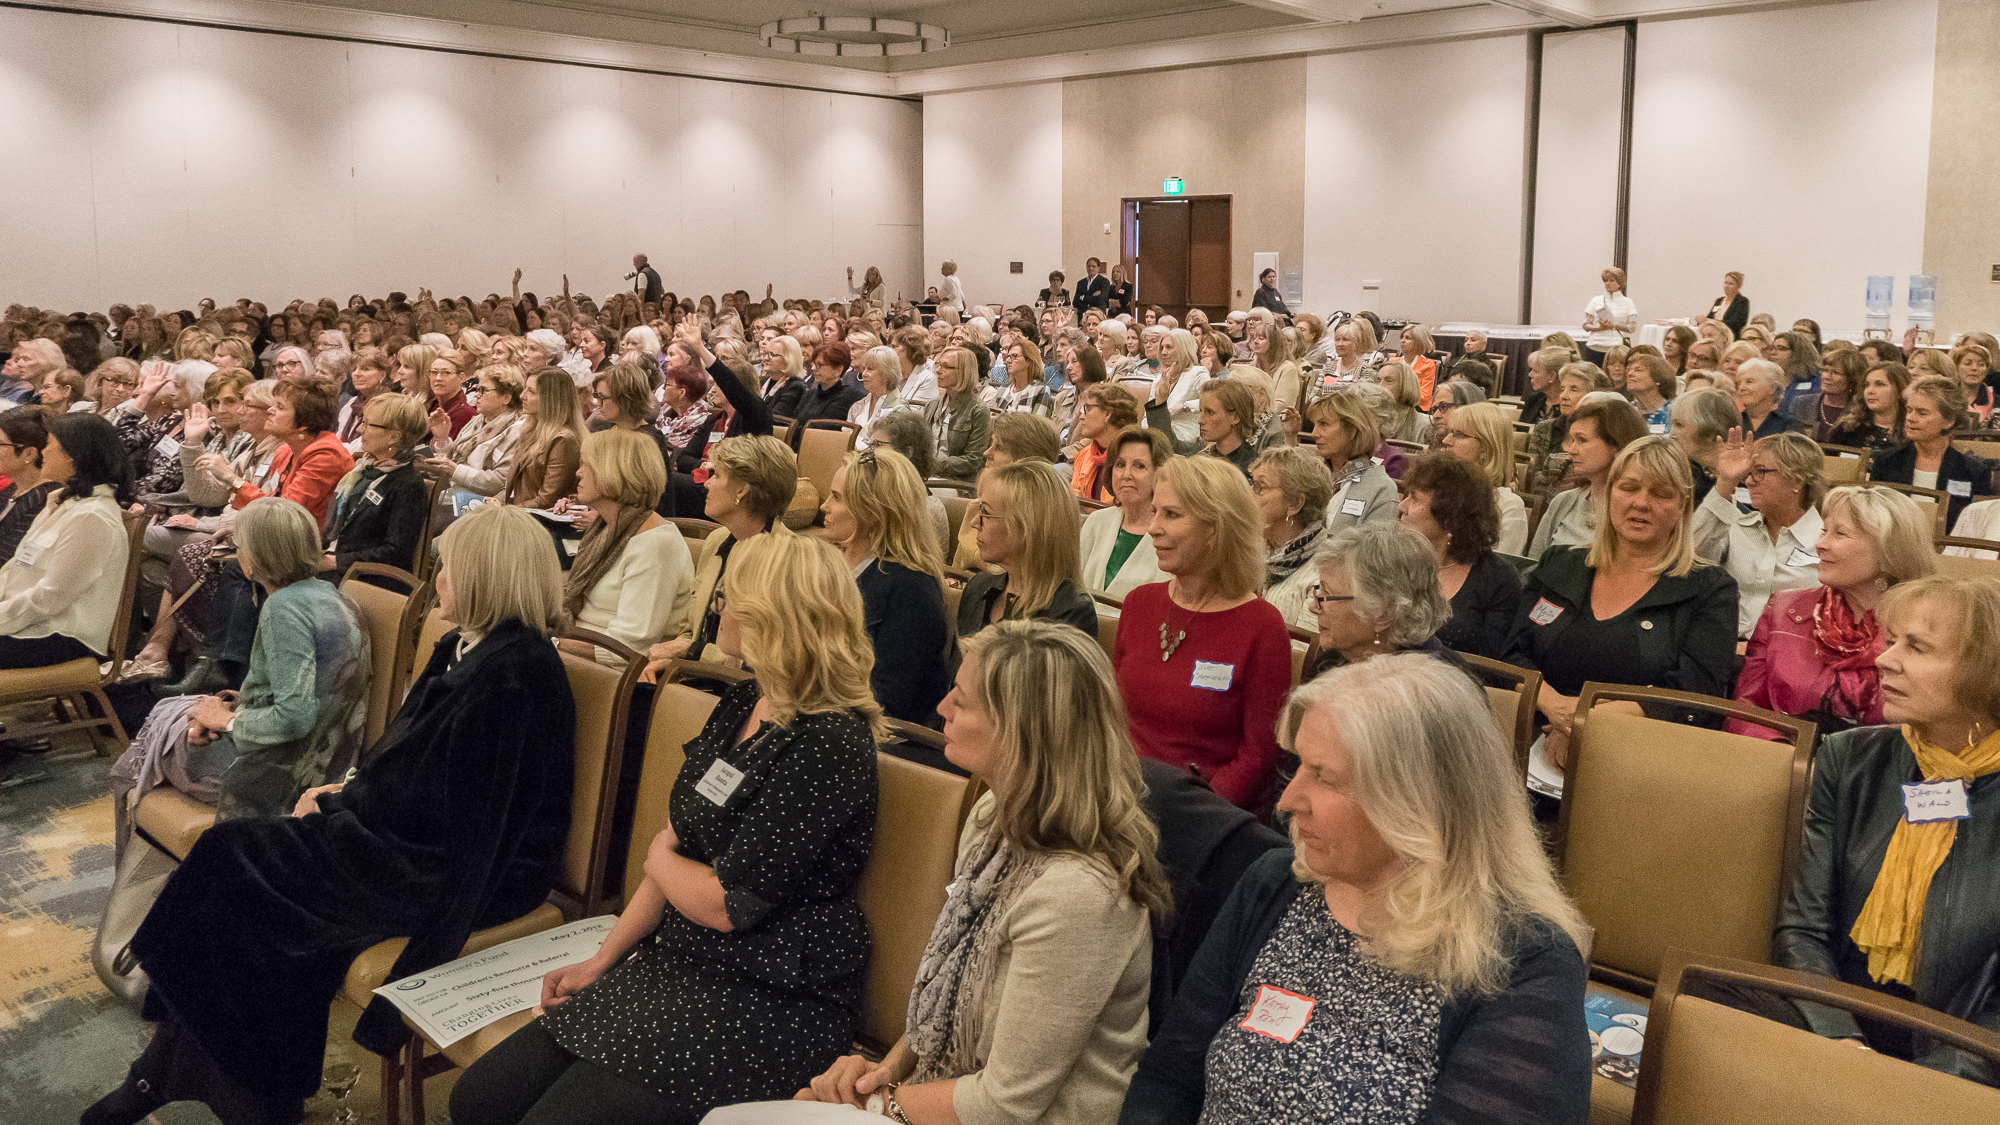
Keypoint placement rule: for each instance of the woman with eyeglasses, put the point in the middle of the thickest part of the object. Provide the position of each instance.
(1479, 433)
(112, 385)
(1107, 409)
(23, 437)
(1773, 546)
(60, 590)
(1291, 486)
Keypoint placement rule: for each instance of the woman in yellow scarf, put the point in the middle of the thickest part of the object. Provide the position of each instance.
(1898, 886)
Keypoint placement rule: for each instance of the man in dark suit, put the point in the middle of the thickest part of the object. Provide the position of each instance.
(1094, 291)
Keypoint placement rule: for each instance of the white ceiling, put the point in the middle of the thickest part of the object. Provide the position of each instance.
(993, 42)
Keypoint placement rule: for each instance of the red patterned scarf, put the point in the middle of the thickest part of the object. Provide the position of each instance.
(1849, 647)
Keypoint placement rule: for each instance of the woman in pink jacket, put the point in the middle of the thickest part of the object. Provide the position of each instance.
(1813, 652)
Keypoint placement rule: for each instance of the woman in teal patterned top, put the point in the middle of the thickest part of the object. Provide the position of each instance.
(299, 720)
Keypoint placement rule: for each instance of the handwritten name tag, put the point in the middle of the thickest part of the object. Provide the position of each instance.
(1544, 612)
(1926, 802)
(719, 782)
(1799, 557)
(1958, 487)
(1278, 1014)
(1215, 677)
(1354, 507)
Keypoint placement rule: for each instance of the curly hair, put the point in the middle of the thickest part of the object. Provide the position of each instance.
(1461, 502)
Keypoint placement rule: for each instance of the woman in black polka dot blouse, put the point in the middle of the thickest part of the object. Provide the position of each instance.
(735, 973)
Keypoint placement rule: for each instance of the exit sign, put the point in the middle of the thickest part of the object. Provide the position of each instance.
(1172, 185)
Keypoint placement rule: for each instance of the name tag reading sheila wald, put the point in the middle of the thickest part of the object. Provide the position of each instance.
(1278, 1014)
(1928, 802)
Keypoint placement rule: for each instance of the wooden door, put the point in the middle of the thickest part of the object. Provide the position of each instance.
(1177, 251)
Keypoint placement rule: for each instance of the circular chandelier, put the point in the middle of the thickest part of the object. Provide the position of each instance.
(854, 36)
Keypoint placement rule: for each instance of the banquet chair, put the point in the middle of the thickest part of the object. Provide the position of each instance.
(74, 685)
(918, 817)
(603, 698)
(1511, 693)
(390, 619)
(1704, 1063)
(1673, 835)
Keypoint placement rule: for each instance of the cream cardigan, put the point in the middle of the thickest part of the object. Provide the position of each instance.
(643, 594)
(68, 574)
(1100, 534)
(1066, 1014)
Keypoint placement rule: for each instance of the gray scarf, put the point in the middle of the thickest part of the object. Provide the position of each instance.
(948, 1000)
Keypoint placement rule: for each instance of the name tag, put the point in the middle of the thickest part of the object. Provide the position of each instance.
(1958, 487)
(1213, 676)
(719, 782)
(167, 446)
(1353, 507)
(1656, 427)
(1805, 386)
(1742, 496)
(30, 553)
(1799, 557)
(1926, 802)
(1544, 612)
(372, 495)
(1278, 1014)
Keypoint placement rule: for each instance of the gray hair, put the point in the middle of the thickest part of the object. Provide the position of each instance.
(550, 341)
(888, 363)
(277, 541)
(305, 357)
(1393, 573)
(1709, 411)
(193, 374)
(1762, 369)
(336, 366)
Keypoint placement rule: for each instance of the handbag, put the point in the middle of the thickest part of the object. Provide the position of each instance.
(140, 877)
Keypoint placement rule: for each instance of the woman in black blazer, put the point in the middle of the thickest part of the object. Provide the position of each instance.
(380, 506)
(1934, 409)
(878, 514)
(1732, 308)
(1636, 606)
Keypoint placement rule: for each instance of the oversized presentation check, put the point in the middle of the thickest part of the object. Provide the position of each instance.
(452, 1001)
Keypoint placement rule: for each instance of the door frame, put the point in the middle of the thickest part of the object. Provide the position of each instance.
(1128, 240)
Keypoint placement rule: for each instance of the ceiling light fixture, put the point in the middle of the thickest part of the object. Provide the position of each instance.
(854, 36)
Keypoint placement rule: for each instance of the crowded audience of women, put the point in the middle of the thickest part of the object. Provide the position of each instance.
(1253, 552)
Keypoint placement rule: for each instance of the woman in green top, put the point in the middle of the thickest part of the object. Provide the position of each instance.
(298, 722)
(1117, 552)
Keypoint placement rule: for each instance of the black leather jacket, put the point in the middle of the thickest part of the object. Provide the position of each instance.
(1856, 802)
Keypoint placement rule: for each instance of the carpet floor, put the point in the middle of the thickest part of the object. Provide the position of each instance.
(65, 1040)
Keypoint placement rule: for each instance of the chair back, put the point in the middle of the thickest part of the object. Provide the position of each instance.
(429, 633)
(603, 699)
(1930, 501)
(386, 617)
(422, 559)
(679, 713)
(821, 450)
(781, 428)
(1511, 693)
(902, 888)
(695, 531)
(964, 488)
(1677, 835)
(1987, 450)
(955, 507)
(1107, 636)
(1509, 410)
(1305, 652)
(1840, 468)
(128, 590)
(1707, 1064)
(954, 591)
(1974, 558)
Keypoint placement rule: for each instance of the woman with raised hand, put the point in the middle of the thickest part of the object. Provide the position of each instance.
(1902, 832)
(455, 822)
(735, 972)
(1813, 650)
(479, 463)
(1203, 662)
(1769, 548)
(1026, 523)
(1410, 959)
(1117, 551)
(1030, 1004)
(877, 514)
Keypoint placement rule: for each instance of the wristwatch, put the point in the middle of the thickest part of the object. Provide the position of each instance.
(882, 1103)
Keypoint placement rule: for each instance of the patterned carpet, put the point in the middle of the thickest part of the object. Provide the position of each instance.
(64, 1040)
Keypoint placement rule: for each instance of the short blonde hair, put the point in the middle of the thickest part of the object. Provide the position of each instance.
(627, 466)
(766, 466)
(887, 362)
(803, 628)
(1303, 479)
(1799, 458)
(278, 541)
(1496, 439)
(1895, 526)
(1355, 415)
(1435, 777)
(1657, 460)
(1214, 494)
(404, 415)
(501, 567)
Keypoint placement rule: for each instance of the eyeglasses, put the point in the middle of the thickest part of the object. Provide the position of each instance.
(1319, 598)
(118, 382)
(1755, 475)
